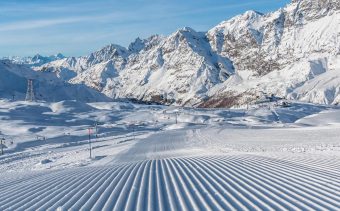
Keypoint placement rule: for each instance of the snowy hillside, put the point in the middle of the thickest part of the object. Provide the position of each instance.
(47, 86)
(168, 158)
(292, 53)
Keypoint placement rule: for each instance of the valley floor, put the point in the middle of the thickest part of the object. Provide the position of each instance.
(169, 158)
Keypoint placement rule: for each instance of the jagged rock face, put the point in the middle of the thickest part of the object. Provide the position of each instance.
(292, 52)
(312, 9)
(137, 45)
(178, 69)
(97, 75)
(264, 43)
(249, 40)
(110, 52)
(282, 53)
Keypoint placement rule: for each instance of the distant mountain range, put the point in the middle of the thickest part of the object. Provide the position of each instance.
(292, 53)
(36, 60)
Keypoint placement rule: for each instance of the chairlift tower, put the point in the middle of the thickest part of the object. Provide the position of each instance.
(30, 93)
(2, 142)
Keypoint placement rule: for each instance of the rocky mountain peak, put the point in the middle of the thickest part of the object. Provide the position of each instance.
(37, 56)
(107, 53)
(59, 56)
(137, 45)
(184, 33)
(144, 44)
(251, 14)
(112, 50)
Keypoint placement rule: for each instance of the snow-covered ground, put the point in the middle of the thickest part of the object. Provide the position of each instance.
(159, 158)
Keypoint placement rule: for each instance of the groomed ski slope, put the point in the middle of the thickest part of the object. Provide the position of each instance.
(209, 160)
(228, 182)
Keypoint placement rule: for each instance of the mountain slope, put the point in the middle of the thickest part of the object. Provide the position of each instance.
(279, 52)
(180, 68)
(13, 83)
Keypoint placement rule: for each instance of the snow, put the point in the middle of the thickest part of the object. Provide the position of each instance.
(266, 157)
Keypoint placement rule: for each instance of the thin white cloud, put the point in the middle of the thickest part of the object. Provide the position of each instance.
(29, 7)
(33, 24)
(42, 23)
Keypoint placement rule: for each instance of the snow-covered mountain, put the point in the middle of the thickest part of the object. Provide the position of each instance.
(293, 52)
(179, 68)
(36, 60)
(47, 86)
(92, 70)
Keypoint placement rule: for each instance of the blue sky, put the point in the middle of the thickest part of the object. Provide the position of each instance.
(78, 27)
